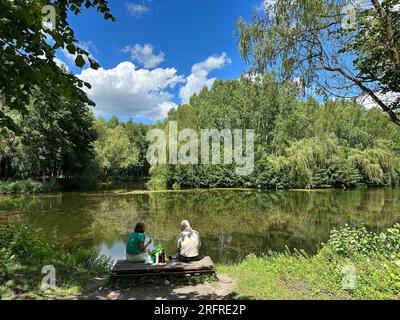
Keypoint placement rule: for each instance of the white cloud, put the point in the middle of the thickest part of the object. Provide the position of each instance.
(144, 55)
(198, 79)
(137, 9)
(166, 106)
(388, 98)
(130, 92)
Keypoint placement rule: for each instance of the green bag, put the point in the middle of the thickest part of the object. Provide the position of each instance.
(158, 250)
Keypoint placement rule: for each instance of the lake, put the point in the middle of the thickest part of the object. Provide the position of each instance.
(232, 223)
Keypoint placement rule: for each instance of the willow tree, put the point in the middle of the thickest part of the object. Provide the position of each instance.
(341, 48)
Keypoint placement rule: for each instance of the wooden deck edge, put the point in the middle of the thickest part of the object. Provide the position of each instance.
(157, 274)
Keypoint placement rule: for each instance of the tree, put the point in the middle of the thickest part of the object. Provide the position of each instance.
(8, 146)
(114, 152)
(27, 52)
(57, 140)
(343, 47)
(137, 135)
(298, 143)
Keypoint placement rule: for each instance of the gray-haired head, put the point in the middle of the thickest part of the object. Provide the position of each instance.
(185, 224)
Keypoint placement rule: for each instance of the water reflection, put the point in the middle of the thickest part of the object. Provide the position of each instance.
(232, 223)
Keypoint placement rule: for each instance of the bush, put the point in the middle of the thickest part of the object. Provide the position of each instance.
(23, 253)
(352, 241)
(27, 186)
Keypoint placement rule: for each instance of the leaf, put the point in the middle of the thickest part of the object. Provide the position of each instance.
(80, 61)
(93, 64)
(71, 48)
(88, 85)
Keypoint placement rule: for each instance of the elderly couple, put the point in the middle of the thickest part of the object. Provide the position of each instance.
(187, 244)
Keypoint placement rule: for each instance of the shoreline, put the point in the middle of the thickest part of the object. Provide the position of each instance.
(118, 191)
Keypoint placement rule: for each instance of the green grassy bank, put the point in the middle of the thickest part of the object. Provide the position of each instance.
(23, 254)
(374, 258)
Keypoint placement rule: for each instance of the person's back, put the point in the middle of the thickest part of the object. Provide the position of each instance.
(135, 248)
(133, 245)
(188, 242)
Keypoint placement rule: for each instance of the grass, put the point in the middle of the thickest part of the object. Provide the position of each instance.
(23, 254)
(326, 274)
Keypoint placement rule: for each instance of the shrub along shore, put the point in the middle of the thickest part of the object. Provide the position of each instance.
(28, 186)
(23, 254)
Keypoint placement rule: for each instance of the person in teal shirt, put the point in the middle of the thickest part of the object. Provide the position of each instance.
(135, 248)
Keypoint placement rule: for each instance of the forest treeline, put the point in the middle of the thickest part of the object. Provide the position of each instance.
(66, 144)
(298, 143)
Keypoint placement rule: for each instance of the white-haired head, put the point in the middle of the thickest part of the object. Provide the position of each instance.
(185, 224)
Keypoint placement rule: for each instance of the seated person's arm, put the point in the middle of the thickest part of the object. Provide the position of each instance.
(143, 247)
(178, 244)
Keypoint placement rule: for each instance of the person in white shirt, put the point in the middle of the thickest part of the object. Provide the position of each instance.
(188, 243)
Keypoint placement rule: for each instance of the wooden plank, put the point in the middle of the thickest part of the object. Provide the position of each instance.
(132, 275)
(123, 267)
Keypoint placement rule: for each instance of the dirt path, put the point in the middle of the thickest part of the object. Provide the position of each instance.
(218, 290)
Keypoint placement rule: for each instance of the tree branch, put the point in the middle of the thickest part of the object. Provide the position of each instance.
(393, 115)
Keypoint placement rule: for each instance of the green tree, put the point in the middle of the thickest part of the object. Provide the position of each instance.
(137, 135)
(8, 145)
(56, 140)
(114, 151)
(343, 48)
(28, 48)
(298, 143)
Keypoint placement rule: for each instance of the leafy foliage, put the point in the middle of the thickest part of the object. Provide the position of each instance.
(321, 43)
(352, 241)
(24, 253)
(56, 140)
(114, 151)
(373, 257)
(27, 53)
(64, 142)
(27, 186)
(298, 144)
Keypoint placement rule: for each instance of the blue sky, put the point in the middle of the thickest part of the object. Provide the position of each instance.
(158, 53)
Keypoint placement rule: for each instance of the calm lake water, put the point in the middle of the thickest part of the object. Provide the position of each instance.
(232, 223)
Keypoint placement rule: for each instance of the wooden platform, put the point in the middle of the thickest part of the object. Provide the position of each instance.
(124, 268)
